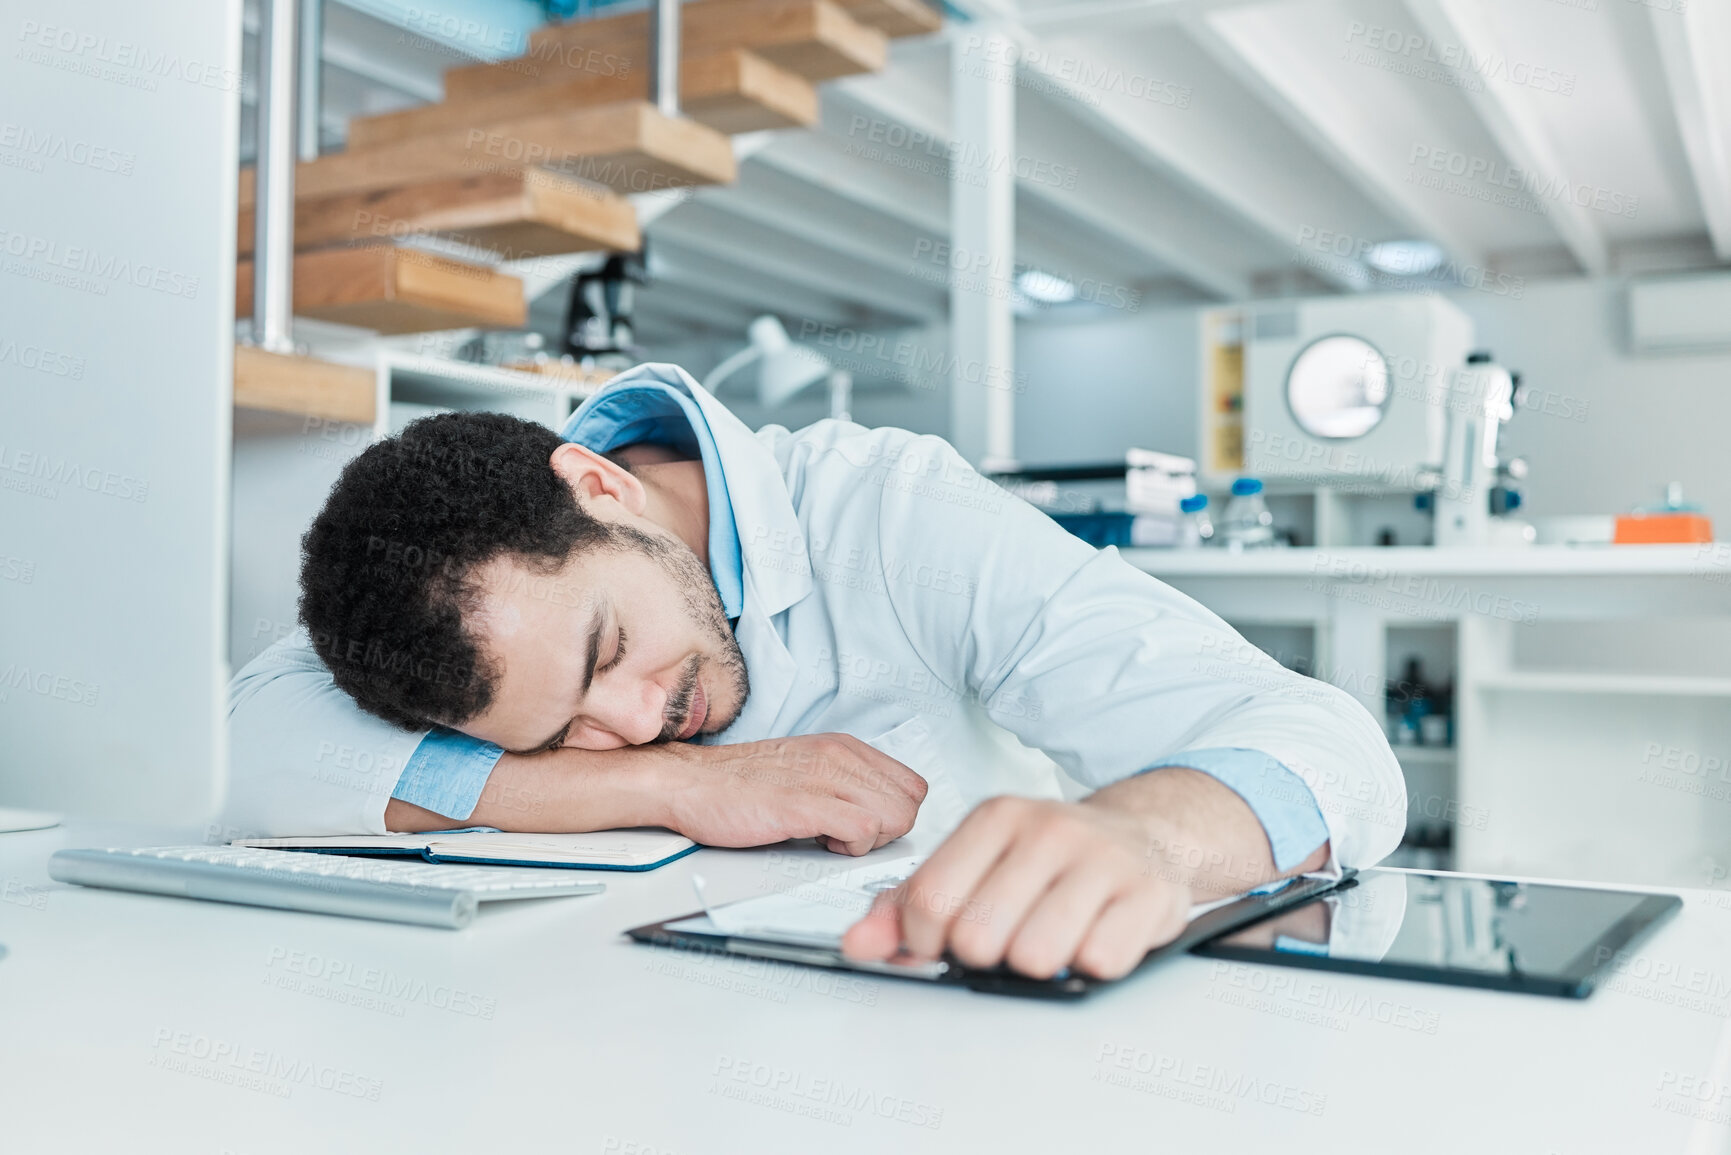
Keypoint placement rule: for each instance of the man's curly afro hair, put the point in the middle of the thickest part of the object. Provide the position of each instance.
(387, 568)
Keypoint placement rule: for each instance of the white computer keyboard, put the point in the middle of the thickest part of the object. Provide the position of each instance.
(429, 893)
(486, 882)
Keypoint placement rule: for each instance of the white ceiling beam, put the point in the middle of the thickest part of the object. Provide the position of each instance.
(1200, 158)
(764, 284)
(816, 158)
(914, 200)
(1057, 242)
(1290, 84)
(1203, 163)
(765, 196)
(663, 299)
(337, 52)
(1109, 199)
(339, 55)
(1696, 82)
(1512, 124)
(1106, 14)
(707, 276)
(774, 253)
(1112, 206)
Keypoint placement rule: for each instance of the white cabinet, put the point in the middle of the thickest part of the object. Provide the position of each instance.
(1557, 770)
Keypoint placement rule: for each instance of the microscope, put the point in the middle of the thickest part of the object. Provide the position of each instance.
(1474, 490)
(598, 328)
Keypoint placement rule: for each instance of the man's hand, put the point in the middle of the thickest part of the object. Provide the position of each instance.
(826, 786)
(832, 787)
(1092, 885)
(1035, 884)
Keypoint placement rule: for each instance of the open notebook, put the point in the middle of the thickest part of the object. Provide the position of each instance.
(643, 848)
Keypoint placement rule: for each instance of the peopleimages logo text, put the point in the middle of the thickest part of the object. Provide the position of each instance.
(95, 263)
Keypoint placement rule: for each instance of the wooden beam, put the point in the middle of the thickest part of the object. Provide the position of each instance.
(628, 147)
(303, 386)
(733, 91)
(393, 290)
(814, 39)
(895, 18)
(528, 213)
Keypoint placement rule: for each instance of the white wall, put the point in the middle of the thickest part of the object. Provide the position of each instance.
(1088, 390)
(117, 207)
(1647, 419)
(283, 469)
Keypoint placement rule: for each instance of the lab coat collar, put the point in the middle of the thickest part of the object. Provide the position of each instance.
(778, 569)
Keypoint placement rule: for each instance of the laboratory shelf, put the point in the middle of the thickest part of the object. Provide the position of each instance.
(1647, 685)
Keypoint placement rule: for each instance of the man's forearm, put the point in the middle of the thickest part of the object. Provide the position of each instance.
(1202, 835)
(827, 786)
(560, 791)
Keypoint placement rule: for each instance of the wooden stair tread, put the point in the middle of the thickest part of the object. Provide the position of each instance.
(895, 18)
(527, 213)
(738, 91)
(814, 39)
(396, 290)
(628, 146)
(732, 91)
(304, 386)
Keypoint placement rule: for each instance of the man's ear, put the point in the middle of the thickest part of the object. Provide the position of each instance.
(598, 481)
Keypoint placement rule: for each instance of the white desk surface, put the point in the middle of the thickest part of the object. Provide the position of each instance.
(541, 1029)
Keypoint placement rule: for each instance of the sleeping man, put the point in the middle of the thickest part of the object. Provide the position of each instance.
(661, 618)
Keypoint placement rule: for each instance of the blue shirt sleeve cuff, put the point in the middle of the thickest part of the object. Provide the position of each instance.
(1286, 944)
(447, 773)
(1278, 797)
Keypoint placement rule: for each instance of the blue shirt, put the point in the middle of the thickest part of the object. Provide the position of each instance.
(449, 770)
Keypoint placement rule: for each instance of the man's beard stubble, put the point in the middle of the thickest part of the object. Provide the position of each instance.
(704, 609)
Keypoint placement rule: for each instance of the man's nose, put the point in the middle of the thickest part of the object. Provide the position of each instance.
(634, 713)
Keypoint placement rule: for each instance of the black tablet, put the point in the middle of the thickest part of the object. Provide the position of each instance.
(689, 932)
(1536, 938)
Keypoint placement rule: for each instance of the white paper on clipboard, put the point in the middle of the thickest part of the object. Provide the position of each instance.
(818, 913)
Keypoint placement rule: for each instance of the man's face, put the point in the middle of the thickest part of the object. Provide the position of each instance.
(620, 647)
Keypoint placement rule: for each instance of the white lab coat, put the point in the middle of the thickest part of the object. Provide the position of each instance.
(893, 594)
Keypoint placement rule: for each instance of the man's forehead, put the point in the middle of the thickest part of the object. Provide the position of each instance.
(512, 592)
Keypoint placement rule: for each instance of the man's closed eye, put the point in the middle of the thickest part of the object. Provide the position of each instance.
(618, 654)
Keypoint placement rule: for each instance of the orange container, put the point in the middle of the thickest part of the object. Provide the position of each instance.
(1662, 529)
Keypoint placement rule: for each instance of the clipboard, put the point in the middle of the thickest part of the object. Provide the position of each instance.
(1223, 919)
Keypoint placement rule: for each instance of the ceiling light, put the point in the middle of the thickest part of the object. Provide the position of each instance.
(1404, 258)
(1046, 288)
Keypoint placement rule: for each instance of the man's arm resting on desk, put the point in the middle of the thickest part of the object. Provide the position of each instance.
(829, 786)
(1096, 884)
